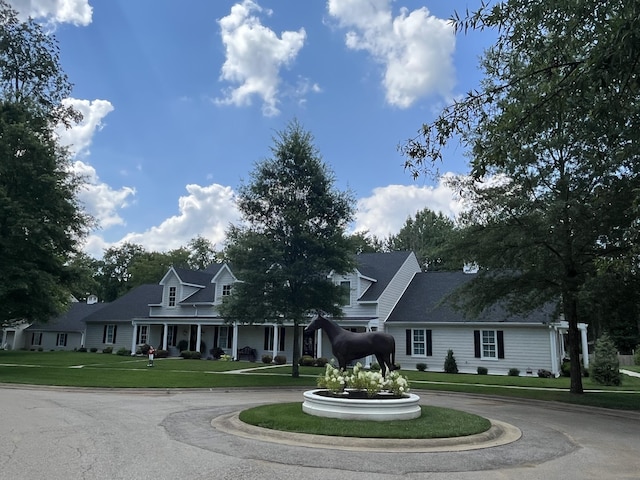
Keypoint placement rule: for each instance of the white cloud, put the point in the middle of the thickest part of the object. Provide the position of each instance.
(77, 12)
(101, 200)
(254, 57)
(415, 47)
(205, 211)
(386, 211)
(79, 137)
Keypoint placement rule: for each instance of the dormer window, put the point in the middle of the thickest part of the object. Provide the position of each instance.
(226, 290)
(172, 296)
(345, 291)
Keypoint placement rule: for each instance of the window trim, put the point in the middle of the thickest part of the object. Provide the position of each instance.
(345, 287)
(61, 339)
(172, 296)
(427, 341)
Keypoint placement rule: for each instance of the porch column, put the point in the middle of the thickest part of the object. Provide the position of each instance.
(164, 336)
(234, 343)
(553, 345)
(198, 337)
(133, 338)
(585, 345)
(319, 342)
(276, 339)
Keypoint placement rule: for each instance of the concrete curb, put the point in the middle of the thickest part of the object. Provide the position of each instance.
(500, 433)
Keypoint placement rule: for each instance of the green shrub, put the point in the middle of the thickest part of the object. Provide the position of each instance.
(514, 372)
(483, 370)
(196, 356)
(93, 349)
(606, 366)
(123, 352)
(280, 359)
(321, 362)
(183, 345)
(82, 349)
(306, 361)
(143, 349)
(267, 358)
(162, 353)
(421, 367)
(636, 356)
(375, 366)
(450, 365)
(107, 350)
(190, 355)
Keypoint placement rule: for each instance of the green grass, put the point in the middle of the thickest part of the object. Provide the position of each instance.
(77, 369)
(435, 422)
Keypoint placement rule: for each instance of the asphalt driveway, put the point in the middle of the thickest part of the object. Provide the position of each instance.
(58, 433)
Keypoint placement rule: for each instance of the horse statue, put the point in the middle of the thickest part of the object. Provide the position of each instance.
(348, 346)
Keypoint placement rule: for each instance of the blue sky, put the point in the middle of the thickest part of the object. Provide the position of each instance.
(180, 99)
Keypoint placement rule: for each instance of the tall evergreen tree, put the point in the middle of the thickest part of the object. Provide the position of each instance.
(553, 136)
(291, 238)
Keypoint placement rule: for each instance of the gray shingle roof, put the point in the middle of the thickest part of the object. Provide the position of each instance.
(194, 277)
(381, 267)
(425, 301)
(70, 321)
(132, 304)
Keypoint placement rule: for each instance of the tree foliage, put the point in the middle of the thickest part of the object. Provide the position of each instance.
(291, 238)
(553, 138)
(606, 366)
(41, 221)
(426, 235)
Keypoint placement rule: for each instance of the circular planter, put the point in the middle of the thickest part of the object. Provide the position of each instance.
(321, 404)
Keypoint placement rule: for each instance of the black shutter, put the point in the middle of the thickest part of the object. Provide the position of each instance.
(476, 343)
(65, 339)
(215, 337)
(229, 336)
(408, 341)
(115, 329)
(281, 346)
(429, 344)
(500, 344)
(104, 334)
(266, 338)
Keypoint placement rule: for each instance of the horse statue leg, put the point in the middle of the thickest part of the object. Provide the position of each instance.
(383, 364)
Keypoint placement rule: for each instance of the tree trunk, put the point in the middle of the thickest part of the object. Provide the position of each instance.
(571, 315)
(295, 368)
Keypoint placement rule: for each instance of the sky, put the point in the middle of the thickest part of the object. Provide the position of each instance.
(182, 99)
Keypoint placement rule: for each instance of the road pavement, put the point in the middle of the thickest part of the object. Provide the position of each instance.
(58, 433)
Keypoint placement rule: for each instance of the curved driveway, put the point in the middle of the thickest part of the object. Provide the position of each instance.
(58, 433)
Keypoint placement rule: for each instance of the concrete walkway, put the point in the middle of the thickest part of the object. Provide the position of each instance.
(60, 433)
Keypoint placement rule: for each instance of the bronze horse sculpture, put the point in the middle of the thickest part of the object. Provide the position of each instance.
(348, 346)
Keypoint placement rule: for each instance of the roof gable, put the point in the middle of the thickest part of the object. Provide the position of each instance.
(379, 268)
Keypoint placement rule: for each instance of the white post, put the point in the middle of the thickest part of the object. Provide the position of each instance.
(133, 338)
(198, 337)
(319, 340)
(555, 361)
(234, 343)
(165, 326)
(276, 339)
(585, 345)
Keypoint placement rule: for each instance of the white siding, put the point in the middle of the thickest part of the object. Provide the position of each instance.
(225, 278)
(524, 348)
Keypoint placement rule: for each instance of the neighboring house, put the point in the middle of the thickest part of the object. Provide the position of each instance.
(66, 332)
(13, 336)
(386, 291)
(426, 325)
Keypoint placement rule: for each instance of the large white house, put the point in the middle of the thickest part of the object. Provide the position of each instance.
(386, 291)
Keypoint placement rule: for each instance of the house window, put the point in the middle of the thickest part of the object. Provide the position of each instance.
(172, 296)
(345, 293)
(226, 290)
(223, 337)
(489, 346)
(268, 338)
(172, 334)
(109, 334)
(36, 338)
(419, 342)
(61, 340)
(143, 334)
